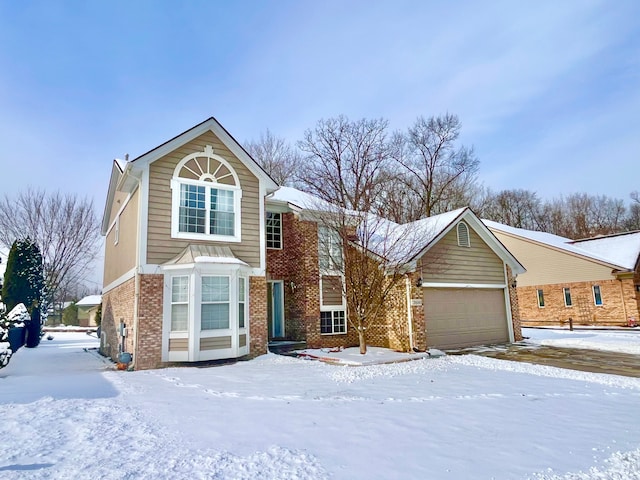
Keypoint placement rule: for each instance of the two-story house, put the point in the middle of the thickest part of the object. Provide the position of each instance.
(185, 253)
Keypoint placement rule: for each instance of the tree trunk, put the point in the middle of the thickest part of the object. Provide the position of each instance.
(362, 340)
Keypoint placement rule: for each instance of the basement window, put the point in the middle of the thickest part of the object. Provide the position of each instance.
(540, 295)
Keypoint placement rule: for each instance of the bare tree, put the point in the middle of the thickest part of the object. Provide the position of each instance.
(65, 228)
(276, 156)
(345, 161)
(632, 221)
(439, 171)
(367, 257)
(518, 208)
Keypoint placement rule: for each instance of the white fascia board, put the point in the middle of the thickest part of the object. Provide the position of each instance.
(209, 125)
(492, 241)
(116, 173)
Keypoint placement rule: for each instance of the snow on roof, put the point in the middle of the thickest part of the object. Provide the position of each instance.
(600, 253)
(90, 300)
(300, 199)
(623, 248)
(403, 242)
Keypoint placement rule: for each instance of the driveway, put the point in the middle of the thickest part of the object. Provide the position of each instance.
(596, 361)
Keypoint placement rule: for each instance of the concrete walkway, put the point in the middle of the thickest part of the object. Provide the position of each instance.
(595, 361)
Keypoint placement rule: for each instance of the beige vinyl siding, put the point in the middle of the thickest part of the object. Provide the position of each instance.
(446, 262)
(242, 340)
(118, 200)
(160, 246)
(546, 265)
(121, 258)
(178, 344)
(215, 343)
(331, 290)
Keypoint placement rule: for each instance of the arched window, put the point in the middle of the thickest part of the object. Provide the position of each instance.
(463, 235)
(206, 197)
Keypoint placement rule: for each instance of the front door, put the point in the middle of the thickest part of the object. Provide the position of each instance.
(275, 309)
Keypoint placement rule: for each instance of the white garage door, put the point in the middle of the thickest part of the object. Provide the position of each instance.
(462, 317)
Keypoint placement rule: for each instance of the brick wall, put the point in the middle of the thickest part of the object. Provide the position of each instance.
(117, 306)
(515, 306)
(148, 353)
(620, 301)
(257, 316)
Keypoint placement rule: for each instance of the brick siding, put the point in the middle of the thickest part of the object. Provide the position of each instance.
(257, 316)
(148, 353)
(117, 306)
(619, 303)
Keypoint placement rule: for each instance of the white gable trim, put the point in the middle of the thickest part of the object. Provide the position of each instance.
(218, 130)
(484, 233)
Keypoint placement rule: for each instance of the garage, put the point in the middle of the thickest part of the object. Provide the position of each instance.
(463, 317)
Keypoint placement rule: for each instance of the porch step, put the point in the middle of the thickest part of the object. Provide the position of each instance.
(283, 347)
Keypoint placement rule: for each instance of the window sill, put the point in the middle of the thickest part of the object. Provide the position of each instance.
(326, 334)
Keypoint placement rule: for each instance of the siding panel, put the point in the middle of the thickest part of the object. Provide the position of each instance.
(160, 246)
(448, 263)
(121, 258)
(215, 343)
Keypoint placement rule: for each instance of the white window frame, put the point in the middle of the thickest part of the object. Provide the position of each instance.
(279, 233)
(333, 242)
(468, 235)
(116, 233)
(333, 308)
(227, 302)
(333, 313)
(595, 299)
(242, 300)
(207, 180)
(187, 302)
(540, 296)
(565, 291)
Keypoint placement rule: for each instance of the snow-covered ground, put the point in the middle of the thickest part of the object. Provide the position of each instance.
(67, 414)
(609, 340)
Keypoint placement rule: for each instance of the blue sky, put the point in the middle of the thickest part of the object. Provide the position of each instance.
(548, 92)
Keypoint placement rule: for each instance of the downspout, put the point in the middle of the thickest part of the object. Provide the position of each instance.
(409, 312)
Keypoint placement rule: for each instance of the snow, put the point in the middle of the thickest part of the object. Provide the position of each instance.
(90, 300)
(68, 414)
(374, 355)
(623, 249)
(613, 341)
(558, 242)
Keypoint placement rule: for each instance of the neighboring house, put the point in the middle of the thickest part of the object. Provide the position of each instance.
(457, 291)
(87, 310)
(594, 281)
(185, 255)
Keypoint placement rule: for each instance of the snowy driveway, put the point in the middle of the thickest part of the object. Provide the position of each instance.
(278, 417)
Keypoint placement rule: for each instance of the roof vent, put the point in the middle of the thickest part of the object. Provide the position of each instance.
(463, 235)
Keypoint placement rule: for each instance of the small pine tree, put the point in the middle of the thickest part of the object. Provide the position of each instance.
(70, 314)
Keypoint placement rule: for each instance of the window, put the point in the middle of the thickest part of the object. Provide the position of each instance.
(567, 297)
(329, 250)
(206, 198)
(597, 296)
(463, 235)
(333, 322)
(179, 303)
(116, 234)
(214, 307)
(274, 230)
(540, 294)
(242, 301)
(332, 305)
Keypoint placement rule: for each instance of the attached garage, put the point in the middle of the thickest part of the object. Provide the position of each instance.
(462, 317)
